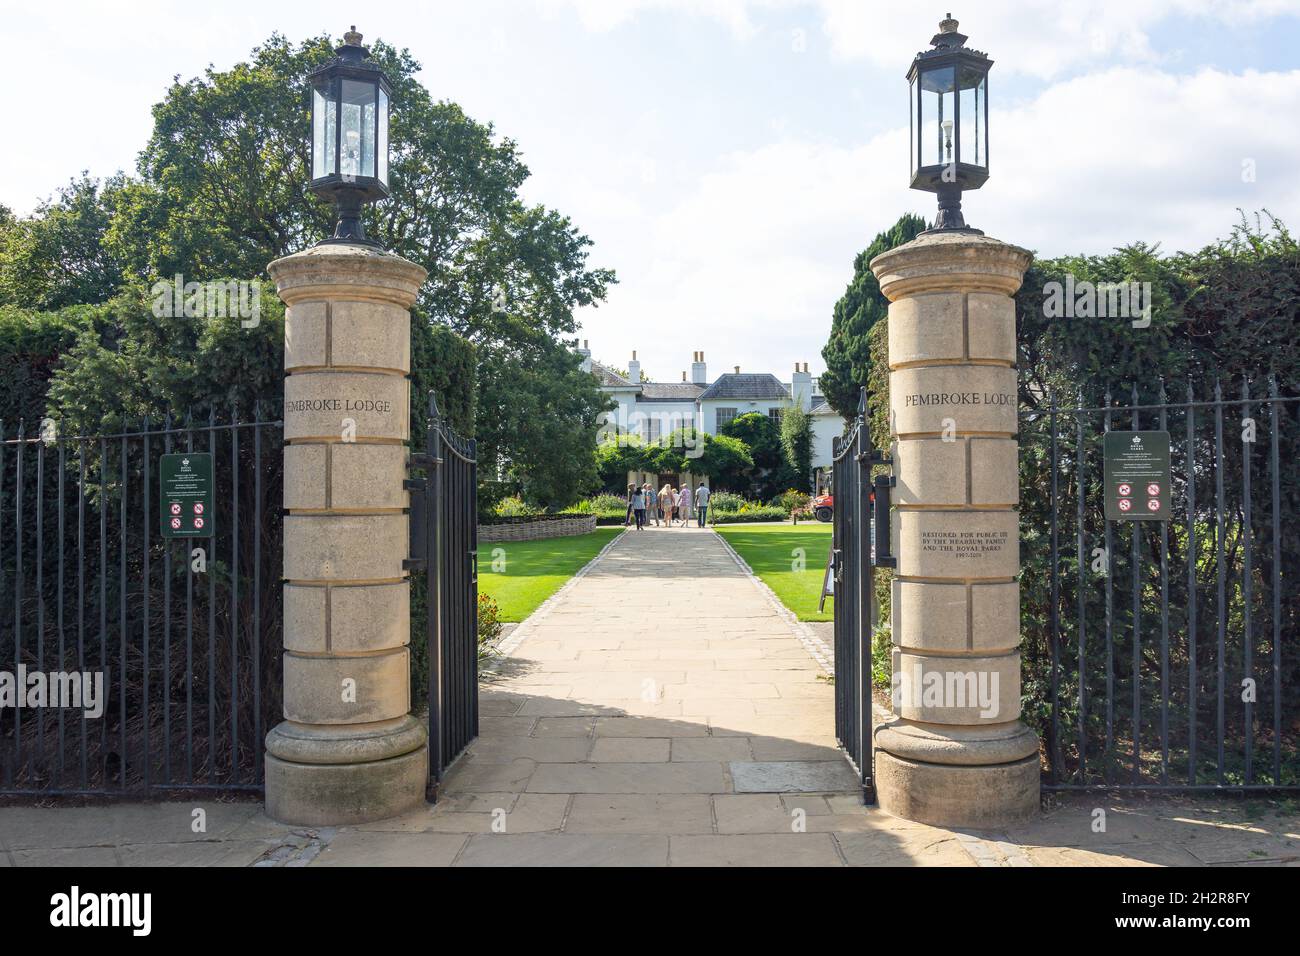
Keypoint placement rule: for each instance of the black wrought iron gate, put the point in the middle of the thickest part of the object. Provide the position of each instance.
(444, 545)
(853, 562)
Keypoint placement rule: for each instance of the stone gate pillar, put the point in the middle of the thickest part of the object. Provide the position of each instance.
(955, 752)
(348, 750)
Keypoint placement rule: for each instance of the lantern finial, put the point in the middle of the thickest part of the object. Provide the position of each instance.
(948, 37)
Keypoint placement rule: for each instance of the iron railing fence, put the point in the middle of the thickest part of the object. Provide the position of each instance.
(1164, 654)
(185, 632)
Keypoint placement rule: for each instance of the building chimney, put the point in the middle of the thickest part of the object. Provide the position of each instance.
(801, 386)
(585, 352)
(737, 369)
(683, 375)
(634, 369)
(699, 372)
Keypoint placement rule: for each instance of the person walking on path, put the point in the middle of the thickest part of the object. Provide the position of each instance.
(627, 519)
(666, 503)
(684, 506)
(702, 503)
(651, 503)
(638, 507)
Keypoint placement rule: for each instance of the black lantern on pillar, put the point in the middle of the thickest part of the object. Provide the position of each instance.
(349, 135)
(948, 89)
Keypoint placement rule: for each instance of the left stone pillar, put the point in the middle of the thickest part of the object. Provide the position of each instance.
(348, 750)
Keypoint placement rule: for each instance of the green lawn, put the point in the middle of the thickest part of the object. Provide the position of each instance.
(771, 550)
(528, 572)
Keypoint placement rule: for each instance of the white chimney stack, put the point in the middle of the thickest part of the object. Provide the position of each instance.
(699, 372)
(585, 352)
(634, 369)
(801, 386)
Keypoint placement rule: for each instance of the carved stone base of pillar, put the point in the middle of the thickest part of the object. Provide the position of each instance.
(979, 777)
(324, 775)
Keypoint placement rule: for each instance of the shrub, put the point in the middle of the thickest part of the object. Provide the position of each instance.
(489, 626)
(512, 507)
(725, 502)
(791, 501)
(748, 512)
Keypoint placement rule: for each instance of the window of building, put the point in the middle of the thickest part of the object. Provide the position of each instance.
(652, 428)
(775, 414)
(724, 415)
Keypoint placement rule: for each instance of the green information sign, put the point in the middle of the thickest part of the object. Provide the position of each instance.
(185, 495)
(1137, 476)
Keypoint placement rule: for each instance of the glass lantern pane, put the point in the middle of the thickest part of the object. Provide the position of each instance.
(938, 111)
(383, 137)
(912, 144)
(973, 134)
(357, 148)
(324, 121)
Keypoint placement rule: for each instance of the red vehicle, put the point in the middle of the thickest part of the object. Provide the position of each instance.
(823, 506)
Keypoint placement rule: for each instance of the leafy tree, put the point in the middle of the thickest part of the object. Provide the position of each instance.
(615, 457)
(720, 457)
(847, 352)
(221, 191)
(770, 473)
(57, 257)
(796, 443)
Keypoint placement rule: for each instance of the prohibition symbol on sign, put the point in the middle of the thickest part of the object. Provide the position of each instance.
(176, 507)
(1153, 504)
(1127, 490)
(198, 506)
(1125, 504)
(1153, 489)
(176, 522)
(198, 523)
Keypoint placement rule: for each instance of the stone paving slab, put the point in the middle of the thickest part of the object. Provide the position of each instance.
(662, 713)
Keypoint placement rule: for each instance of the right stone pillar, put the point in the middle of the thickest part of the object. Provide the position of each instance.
(955, 752)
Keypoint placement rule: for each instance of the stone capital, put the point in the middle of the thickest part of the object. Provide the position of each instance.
(951, 262)
(339, 271)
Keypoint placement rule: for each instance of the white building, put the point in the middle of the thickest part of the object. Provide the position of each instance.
(654, 409)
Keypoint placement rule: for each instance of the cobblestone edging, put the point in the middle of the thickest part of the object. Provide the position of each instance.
(536, 530)
(820, 651)
(525, 627)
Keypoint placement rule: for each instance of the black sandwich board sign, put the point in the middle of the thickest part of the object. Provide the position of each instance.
(1137, 476)
(185, 495)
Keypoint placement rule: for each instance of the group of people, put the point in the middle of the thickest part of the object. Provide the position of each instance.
(666, 506)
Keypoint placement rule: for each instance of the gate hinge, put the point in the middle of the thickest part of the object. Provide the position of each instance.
(414, 564)
(413, 484)
(880, 458)
(421, 460)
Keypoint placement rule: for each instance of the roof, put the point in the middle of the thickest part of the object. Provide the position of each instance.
(670, 391)
(608, 377)
(821, 407)
(751, 385)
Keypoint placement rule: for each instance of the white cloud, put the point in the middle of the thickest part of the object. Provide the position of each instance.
(749, 263)
(1049, 38)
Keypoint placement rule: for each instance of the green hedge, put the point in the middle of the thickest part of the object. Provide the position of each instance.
(748, 514)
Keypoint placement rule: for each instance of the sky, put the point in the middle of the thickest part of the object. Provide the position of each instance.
(729, 158)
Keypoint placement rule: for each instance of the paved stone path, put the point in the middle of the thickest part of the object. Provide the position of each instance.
(658, 711)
